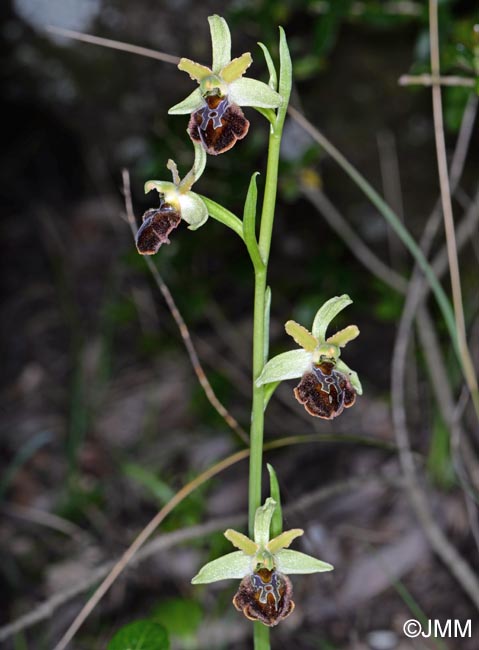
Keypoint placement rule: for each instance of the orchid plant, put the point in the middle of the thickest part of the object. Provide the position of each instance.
(263, 560)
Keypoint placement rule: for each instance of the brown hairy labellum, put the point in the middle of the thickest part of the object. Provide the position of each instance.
(324, 391)
(217, 125)
(157, 225)
(265, 596)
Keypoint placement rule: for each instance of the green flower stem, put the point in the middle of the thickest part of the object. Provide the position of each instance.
(257, 419)
(261, 636)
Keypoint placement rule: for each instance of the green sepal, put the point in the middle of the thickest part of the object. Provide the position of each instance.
(277, 519)
(236, 68)
(290, 562)
(242, 542)
(220, 42)
(288, 365)
(301, 335)
(273, 77)
(262, 522)
(343, 337)
(193, 210)
(351, 375)
(326, 313)
(233, 565)
(284, 540)
(251, 92)
(195, 70)
(249, 224)
(190, 104)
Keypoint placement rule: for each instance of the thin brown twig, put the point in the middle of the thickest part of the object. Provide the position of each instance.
(448, 217)
(178, 318)
(113, 45)
(435, 80)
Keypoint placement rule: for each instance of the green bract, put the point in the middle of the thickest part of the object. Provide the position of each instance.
(315, 348)
(225, 77)
(178, 193)
(263, 552)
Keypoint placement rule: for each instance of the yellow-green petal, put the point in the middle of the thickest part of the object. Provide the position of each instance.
(242, 542)
(195, 70)
(301, 335)
(236, 68)
(283, 540)
(343, 337)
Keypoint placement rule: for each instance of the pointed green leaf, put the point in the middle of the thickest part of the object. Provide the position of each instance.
(242, 542)
(326, 313)
(251, 92)
(193, 210)
(343, 337)
(267, 312)
(195, 70)
(277, 520)
(288, 365)
(352, 376)
(262, 522)
(190, 104)
(285, 76)
(273, 77)
(236, 68)
(160, 186)
(249, 224)
(284, 540)
(290, 562)
(301, 335)
(220, 42)
(233, 565)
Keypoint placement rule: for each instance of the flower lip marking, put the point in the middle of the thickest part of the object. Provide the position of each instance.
(215, 114)
(265, 588)
(324, 391)
(265, 596)
(218, 125)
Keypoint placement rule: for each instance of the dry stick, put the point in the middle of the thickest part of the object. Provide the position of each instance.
(185, 335)
(114, 45)
(469, 371)
(435, 80)
(169, 540)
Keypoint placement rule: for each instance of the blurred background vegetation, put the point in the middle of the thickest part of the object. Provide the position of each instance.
(102, 416)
